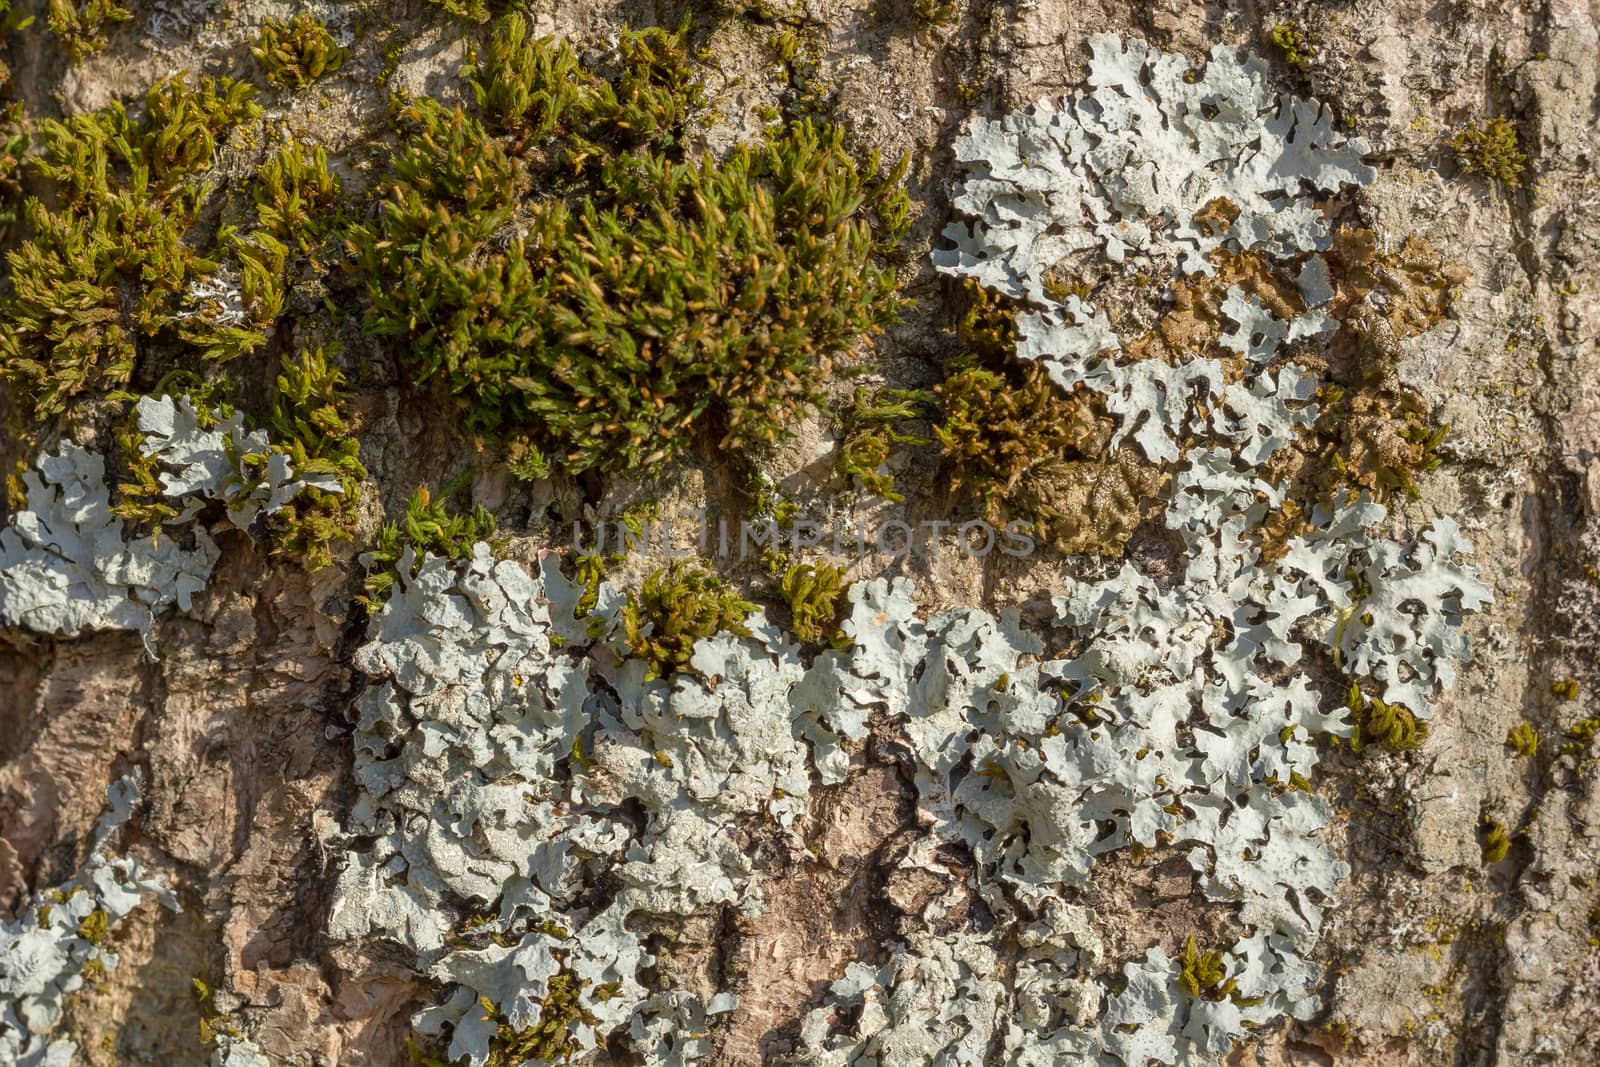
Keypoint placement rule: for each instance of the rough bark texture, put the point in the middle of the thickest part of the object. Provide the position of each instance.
(1432, 955)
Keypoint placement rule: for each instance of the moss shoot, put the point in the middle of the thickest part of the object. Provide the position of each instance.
(1491, 150)
(296, 52)
(428, 526)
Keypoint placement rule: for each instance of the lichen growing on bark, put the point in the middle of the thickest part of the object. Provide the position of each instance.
(494, 812)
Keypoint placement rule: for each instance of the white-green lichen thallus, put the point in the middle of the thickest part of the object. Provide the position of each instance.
(60, 940)
(66, 564)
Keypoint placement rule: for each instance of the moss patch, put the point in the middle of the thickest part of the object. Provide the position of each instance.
(79, 26)
(579, 279)
(296, 52)
(1290, 38)
(1027, 451)
(427, 526)
(311, 425)
(813, 592)
(1491, 150)
(111, 263)
(677, 606)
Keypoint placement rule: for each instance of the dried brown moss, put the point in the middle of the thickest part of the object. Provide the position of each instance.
(1025, 450)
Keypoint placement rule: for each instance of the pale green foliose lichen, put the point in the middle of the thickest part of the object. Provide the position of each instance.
(497, 763)
(1128, 169)
(237, 1052)
(1135, 169)
(495, 753)
(528, 790)
(66, 563)
(224, 462)
(66, 566)
(59, 938)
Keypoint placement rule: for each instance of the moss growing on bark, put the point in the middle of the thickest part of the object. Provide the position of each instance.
(677, 606)
(1203, 974)
(1394, 726)
(869, 429)
(109, 262)
(470, 10)
(311, 424)
(296, 52)
(79, 26)
(428, 526)
(576, 277)
(1490, 149)
(812, 591)
(1496, 841)
(1291, 39)
(1523, 739)
(1025, 450)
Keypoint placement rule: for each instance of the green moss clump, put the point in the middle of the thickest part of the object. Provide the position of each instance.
(1291, 38)
(1203, 975)
(643, 296)
(183, 121)
(1565, 688)
(311, 426)
(1581, 737)
(79, 25)
(812, 592)
(14, 141)
(996, 429)
(296, 52)
(470, 10)
(935, 12)
(110, 262)
(296, 197)
(525, 461)
(428, 527)
(590, 569)
(868, 433)
(1496, 840)
(11, 20)
(297, 209)
(1490, 149)
(1393, 726)
(1026, 451)
(95, 927)
(527, 85)
(1523, 739)
(679, 605)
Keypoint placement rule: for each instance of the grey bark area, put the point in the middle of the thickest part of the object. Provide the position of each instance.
(241, 728)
